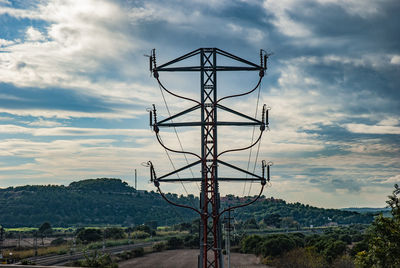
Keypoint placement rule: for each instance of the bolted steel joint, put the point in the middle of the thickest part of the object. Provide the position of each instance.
(155, 74)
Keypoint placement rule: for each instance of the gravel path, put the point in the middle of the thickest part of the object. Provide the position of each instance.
(186, 258)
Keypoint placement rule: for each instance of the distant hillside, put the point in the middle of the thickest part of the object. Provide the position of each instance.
(111, 201)
(366, 210)
(277, 210)
(88, 202)
(385, 211)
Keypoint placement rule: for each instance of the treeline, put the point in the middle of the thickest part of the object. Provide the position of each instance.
(280, 214)
(111, 201)
(321, 250)
(89, 202)
(376, 246)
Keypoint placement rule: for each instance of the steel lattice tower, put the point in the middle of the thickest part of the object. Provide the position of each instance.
(210, 226)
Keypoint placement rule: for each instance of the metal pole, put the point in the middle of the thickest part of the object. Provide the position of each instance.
(36, 247)
(135, 179)
(228, 248)
(1, 241)
(203, 223)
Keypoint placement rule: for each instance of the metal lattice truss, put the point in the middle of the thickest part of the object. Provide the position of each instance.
(210, 229)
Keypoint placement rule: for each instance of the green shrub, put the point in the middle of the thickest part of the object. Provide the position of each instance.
(58, 241)
(140, 235)
(276, 246)
(299, 258)
(90, 235)
(174, 243)
(137, 252)
(159, 246)
(114, 233)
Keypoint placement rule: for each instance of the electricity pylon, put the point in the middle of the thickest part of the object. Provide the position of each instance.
(209, 104)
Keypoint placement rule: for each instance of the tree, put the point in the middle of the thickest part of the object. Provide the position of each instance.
(174, 243)
(276, 245)
(90, 235)
(44, 230)
(114, 233)
(383, 238)
(394, 202)
(334, 250)
(273, 220)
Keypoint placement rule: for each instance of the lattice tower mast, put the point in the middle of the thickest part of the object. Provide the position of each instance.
(209, 104)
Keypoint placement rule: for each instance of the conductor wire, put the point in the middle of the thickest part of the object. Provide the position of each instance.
(179, 141)
(252, 135)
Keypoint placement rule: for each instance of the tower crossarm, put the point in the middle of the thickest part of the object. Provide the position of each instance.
(210, 235)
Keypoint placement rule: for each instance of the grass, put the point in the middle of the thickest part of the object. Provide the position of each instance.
(21, 229)
(21, 254)
(26, 253)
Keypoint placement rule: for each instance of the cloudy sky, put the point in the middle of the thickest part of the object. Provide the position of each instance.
(75, 86)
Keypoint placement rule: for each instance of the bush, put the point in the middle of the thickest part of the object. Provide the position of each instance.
(276, 246)
(334, 250)
(98, 261)
(137, 252)
(114, 233)
(250, 243)
(346, 238)
(145, 228)
(159, 246)
(174, 243)
(90, 235)
(140, 235)
(58, 241)
(300, 258)
(344, 261)
(191, 241)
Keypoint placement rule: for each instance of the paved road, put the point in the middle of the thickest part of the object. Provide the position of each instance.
(185, 258)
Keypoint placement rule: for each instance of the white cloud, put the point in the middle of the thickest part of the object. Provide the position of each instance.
(372, 129)
(365, 8)
(65, 114)
(5, 2)
(33, 34)
(395, 60)
(392, 180)
(4, 42)
(44, 123)
(82, 37)
(390, 121)
(253, 35)
(70, 131)
(283, 21)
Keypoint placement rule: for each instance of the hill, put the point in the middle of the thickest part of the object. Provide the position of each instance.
(278, 212)
(111, 201)
(367, 210)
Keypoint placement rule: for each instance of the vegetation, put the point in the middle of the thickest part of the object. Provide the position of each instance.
(111, 201)
(89, 235)
(280, 214)
(377, 245)
(98, 260)
(382, 244)
(87, 203)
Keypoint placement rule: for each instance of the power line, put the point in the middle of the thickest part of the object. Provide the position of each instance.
(254, 167)
(210, 235)
(179, 140)
(252, 137)
(177, 174)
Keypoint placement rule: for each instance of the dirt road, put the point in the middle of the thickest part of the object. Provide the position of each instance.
(186, 258)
